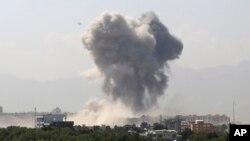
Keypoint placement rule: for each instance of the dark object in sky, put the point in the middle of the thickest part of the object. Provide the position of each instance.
(79, 23)
(132, 54)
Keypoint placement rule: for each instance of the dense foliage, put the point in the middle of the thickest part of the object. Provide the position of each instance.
(95, 134)
(67, 134)
(202, 136)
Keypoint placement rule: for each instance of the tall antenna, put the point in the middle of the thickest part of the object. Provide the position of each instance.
(233, 113)
(35, 117)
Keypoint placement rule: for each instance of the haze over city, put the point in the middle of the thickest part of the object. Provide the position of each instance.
(44, 62)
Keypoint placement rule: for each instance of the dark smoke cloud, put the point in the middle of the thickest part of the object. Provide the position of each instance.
(132, 54)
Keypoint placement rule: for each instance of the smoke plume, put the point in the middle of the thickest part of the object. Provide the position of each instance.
(24, 120)
(98, 112)
(132, 54)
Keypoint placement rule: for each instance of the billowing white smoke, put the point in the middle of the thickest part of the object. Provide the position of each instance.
(98, 112)
(25, 120)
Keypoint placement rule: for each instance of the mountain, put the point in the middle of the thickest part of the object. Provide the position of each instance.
(210, 91)
(19, 95)
(190, 91)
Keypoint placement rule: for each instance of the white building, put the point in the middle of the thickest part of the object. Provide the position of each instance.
(162, 134)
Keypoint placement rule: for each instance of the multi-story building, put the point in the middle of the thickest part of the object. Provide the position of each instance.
(185, 125)
(48, 119)
(174, 123)
(213, 119)
(198, 126)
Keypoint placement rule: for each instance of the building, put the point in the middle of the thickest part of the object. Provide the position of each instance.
(174, 123)
(213, 119)
(185, 125)
(57, 110)
(162, 134)
(198, 126)
(48, 119)
(143, 118)
(61, 124)
(1, 109)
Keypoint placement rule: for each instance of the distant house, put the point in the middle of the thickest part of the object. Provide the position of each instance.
(213, 119)
(198, 126)
(60, 124)
(47, 119)
(162, 134)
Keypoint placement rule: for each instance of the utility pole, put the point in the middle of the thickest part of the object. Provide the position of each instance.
(233, 113)
(35, 124)
(35, 117)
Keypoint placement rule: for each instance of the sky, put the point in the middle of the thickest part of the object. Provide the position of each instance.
(41, 39)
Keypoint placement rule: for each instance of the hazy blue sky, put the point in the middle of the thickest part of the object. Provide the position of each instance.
(40, 39)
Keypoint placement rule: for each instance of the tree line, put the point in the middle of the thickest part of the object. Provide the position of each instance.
(97, 133)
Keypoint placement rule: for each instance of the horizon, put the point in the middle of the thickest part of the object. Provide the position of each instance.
(46, 58)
